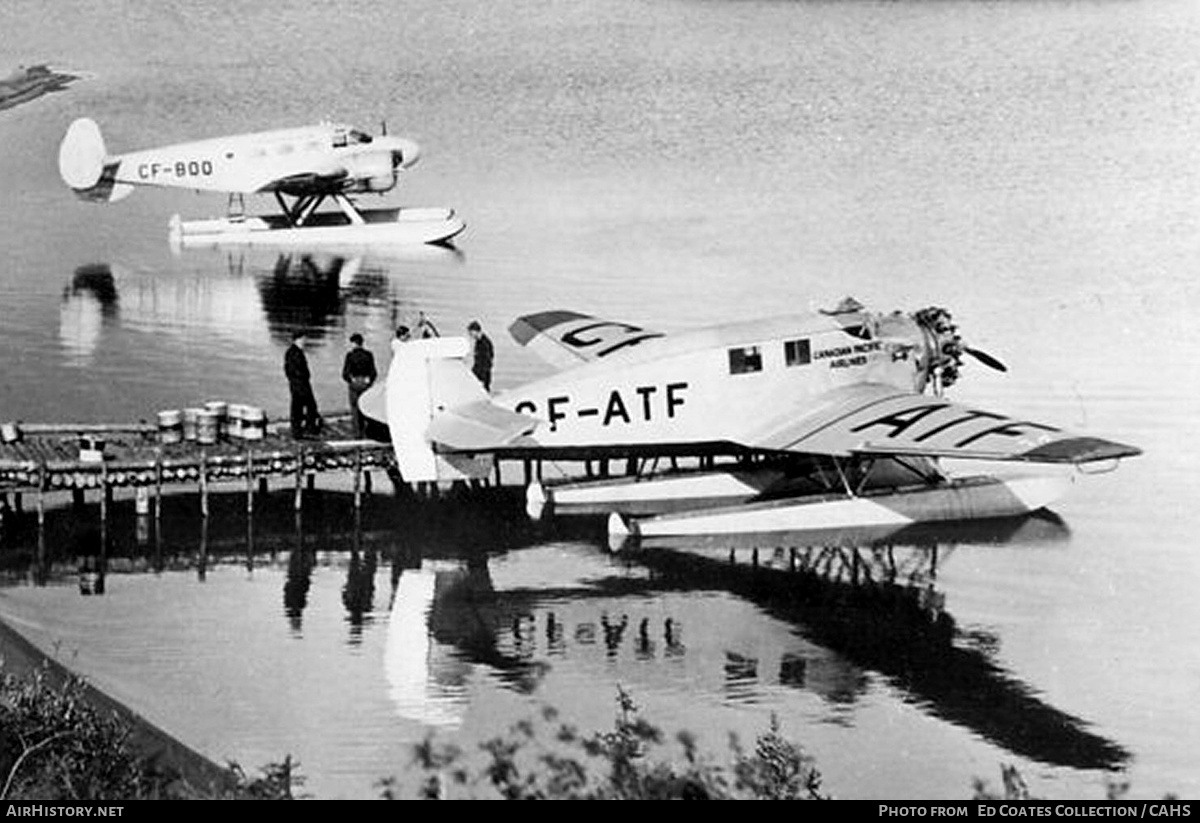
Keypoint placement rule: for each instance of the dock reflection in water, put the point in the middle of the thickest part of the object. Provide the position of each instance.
(452, 617)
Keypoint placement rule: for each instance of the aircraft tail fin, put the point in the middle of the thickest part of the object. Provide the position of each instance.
(85, 166)
(433, 397)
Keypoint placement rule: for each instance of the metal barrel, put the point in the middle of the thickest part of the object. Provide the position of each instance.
(170, 426)
(235, 423)
(221, 409)
(254, 423)
(190, 417)
(208, 426)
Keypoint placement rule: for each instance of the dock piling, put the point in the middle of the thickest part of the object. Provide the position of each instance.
(298, 500)
(203, 484)
(158, 478)
(249, 482)
(41, 496)
(358, 478)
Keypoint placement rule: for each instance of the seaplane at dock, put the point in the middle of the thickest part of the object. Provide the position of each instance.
(824, 420)
(301, 167)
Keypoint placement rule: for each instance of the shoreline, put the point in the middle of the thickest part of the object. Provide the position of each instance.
(28, 83)
(22, 658)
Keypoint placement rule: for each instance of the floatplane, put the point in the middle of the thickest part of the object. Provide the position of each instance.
(825, 420)
(302, 167)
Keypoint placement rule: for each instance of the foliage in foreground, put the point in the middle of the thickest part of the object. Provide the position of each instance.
(57, 745)
(613, 765)
(1015, 787)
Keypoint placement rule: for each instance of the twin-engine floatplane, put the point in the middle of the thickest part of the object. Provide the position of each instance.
(824, 420)
(310, 165)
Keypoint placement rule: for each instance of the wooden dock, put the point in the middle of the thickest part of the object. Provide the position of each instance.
(41, 459)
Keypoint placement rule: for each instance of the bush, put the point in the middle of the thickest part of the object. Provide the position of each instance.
(612, 765)
(56, 746)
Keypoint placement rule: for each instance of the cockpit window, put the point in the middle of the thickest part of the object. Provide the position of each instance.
(357, 136)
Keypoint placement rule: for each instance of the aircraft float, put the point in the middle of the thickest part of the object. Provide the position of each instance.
(309, 165)
(823, 420)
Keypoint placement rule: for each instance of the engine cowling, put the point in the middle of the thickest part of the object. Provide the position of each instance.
(373, 172)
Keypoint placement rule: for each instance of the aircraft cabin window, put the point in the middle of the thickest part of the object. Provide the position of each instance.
(745, 360)
(797, 352)
(339, 140)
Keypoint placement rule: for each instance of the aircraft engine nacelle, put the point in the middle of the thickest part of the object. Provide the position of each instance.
(371, 173)
(381, 184)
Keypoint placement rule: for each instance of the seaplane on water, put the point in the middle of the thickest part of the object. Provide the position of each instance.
(309, 165)
(824, 420)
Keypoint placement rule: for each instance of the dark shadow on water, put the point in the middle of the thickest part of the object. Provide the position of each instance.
(311, 290)
(865, 604)
(303, 293)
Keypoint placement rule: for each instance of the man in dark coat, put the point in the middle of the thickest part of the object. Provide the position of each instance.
(359, 372)
(482, 355)
(306, 420)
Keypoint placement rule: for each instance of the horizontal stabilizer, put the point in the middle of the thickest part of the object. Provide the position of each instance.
(479, 426)
(566, 338)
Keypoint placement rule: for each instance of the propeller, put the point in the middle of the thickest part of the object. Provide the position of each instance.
(946, 347)
(986, 359)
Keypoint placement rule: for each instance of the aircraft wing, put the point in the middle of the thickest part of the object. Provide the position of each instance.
(307, 182)
(875, 419)
(567, 338)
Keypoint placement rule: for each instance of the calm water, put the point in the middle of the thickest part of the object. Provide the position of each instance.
(1032, 166)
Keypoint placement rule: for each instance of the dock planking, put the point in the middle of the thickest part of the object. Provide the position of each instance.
(55, 457)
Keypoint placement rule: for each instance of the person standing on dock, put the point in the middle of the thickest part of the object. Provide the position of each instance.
(482, 355)
(306, 420)
(359, 372)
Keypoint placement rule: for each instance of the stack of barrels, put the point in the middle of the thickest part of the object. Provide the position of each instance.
(217, 421)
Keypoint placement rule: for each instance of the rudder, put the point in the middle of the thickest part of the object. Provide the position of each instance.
(427, 377)
(84, 164)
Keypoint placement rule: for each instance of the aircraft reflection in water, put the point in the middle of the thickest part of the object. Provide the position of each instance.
(301, 289)
(484, 598)
(842, 611)
(89, 303)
